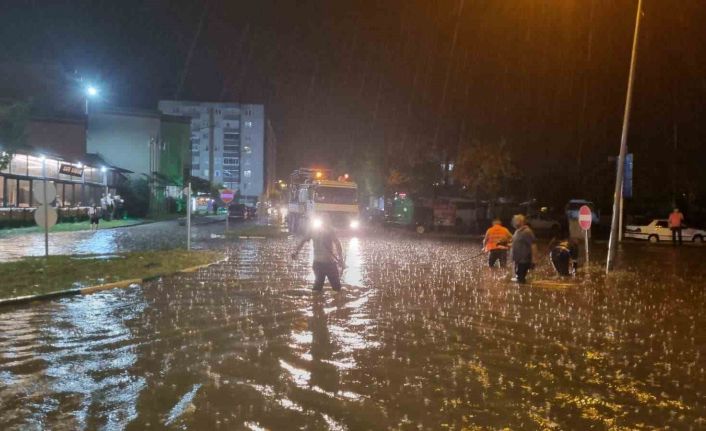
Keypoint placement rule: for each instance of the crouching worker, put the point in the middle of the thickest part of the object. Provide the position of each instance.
(564, 256)
(328, 253)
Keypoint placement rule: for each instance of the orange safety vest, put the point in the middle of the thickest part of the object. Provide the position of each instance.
(676, 219)
(496, 234)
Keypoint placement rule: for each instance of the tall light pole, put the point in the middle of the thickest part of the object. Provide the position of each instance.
(104, 170)
(91, 91)
(617, 195)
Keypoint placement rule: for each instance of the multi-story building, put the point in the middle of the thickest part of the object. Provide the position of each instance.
(227, 144)
(147, 143)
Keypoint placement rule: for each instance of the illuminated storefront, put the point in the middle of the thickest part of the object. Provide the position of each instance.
(78, 183)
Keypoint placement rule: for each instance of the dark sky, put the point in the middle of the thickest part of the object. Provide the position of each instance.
(549, 76)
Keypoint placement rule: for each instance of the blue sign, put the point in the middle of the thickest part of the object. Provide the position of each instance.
(627, 177)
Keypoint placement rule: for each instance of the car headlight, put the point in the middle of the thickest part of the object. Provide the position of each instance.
(316, 223)
(355, 224)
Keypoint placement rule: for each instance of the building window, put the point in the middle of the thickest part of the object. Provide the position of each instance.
(24, 197)
(248, 124)
(18, 166)
(231, 161)
(11, 192)
(69, 197)
(231, 136)
(34, 167)
(52, 168)
(247, 173)
(247, 149)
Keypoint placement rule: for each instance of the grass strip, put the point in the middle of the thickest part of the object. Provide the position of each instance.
(70, 227)
(37, 275)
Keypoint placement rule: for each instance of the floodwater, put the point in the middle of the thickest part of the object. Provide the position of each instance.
(417, 340)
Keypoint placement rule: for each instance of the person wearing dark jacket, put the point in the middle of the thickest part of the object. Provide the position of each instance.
(523, 248)
(328, 253)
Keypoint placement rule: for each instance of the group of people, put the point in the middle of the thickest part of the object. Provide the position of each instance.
(498, 241)
(110, 207)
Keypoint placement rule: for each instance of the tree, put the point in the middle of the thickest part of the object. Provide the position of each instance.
(13, 126)
(485, 168)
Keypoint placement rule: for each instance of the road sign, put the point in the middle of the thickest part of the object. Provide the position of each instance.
(627, 176)
(51, 216)
(227, 196)
(585, 217)
(39, 193)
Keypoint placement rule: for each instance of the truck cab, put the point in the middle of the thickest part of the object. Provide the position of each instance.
(313, 194)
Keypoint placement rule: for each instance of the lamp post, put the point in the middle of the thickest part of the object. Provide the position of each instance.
(46, 207)
(91, 91)
(105, 180)
(618, 194)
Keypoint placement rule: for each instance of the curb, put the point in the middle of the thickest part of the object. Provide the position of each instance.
(101, 287)
(31, 298)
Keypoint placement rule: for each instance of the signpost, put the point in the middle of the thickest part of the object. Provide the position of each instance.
(227, 196)
(585, 220)
(625, 192)
(45, 215)
(187, 191)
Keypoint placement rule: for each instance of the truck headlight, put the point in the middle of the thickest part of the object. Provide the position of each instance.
(316, 223)
(355, 224)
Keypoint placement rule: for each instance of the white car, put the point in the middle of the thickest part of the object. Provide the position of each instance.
(658, 230)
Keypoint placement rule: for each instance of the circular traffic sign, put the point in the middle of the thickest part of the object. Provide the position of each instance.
(585, 217)
(51, 214)
(227, 195)
(41, 197)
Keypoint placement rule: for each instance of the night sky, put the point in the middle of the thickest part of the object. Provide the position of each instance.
(548, 77)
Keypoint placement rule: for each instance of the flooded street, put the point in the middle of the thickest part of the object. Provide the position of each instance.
(417, 340)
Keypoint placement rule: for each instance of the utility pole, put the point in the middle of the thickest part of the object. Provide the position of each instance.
(188, 216)
(46, 206)
(612, 243)
(211, 153)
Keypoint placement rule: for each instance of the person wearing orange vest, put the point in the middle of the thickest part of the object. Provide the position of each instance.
(676, 221)
(496, 243)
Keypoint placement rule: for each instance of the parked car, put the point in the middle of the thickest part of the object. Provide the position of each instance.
(544, 222)
(238, 212)
(658, 230)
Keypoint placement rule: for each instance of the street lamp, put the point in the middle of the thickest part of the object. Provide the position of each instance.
(104, 170)
(91, 92)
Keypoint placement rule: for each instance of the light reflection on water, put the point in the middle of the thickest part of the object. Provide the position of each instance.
(412, 342)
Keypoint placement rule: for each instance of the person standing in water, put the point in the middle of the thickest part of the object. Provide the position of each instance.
(524, 250)
(328, 252)
(496, 243)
